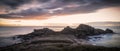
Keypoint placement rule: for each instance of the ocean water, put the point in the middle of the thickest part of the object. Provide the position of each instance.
(21, 30)
(108, 40)
(6, 33)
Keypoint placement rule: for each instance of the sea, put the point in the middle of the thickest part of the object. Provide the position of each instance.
(107, 40)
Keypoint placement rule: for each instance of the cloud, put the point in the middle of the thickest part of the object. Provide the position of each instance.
(13, 3)
(53, 7)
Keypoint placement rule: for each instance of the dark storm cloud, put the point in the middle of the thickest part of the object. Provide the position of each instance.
(53, 7)
(112, 1)
(13, 3)
(87, 6)
(10, 16)
(30, 13)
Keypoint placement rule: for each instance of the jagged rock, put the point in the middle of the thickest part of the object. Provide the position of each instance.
(81, 31)
(84, 30)
(109, 31)
(68, 30)
(64, 39)
(85, 27)
(42, 31)
(36, 33)
(99, 31)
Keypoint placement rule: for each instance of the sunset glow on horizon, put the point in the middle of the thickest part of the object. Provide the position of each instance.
(101, 15)
(34, 13)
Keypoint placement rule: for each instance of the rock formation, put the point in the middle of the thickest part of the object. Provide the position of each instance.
(109, 31)
(99, 31)
(36, 33)
(85, 30)
(68, 30)
(81, 32)
(44, 31)
(65, 40)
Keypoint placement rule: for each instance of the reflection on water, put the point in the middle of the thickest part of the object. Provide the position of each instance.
(108, 40)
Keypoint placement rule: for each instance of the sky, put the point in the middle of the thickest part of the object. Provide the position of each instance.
(57, 12)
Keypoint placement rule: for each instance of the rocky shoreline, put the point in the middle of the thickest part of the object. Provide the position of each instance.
(47, 38)
(80, 32)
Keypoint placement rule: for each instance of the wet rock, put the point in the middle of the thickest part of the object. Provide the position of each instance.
(109, 31)
(99, 31)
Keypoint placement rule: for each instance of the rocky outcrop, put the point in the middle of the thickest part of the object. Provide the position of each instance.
(81, 31)
(68, 30)
(36, 33)
(109, 31)
(44, 31)
(66, 40)
(85, 30)
(99, 31)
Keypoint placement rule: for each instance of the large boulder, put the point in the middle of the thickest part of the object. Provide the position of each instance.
(68, 30)
(85, 27)
(84, 30)
(109, 31)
